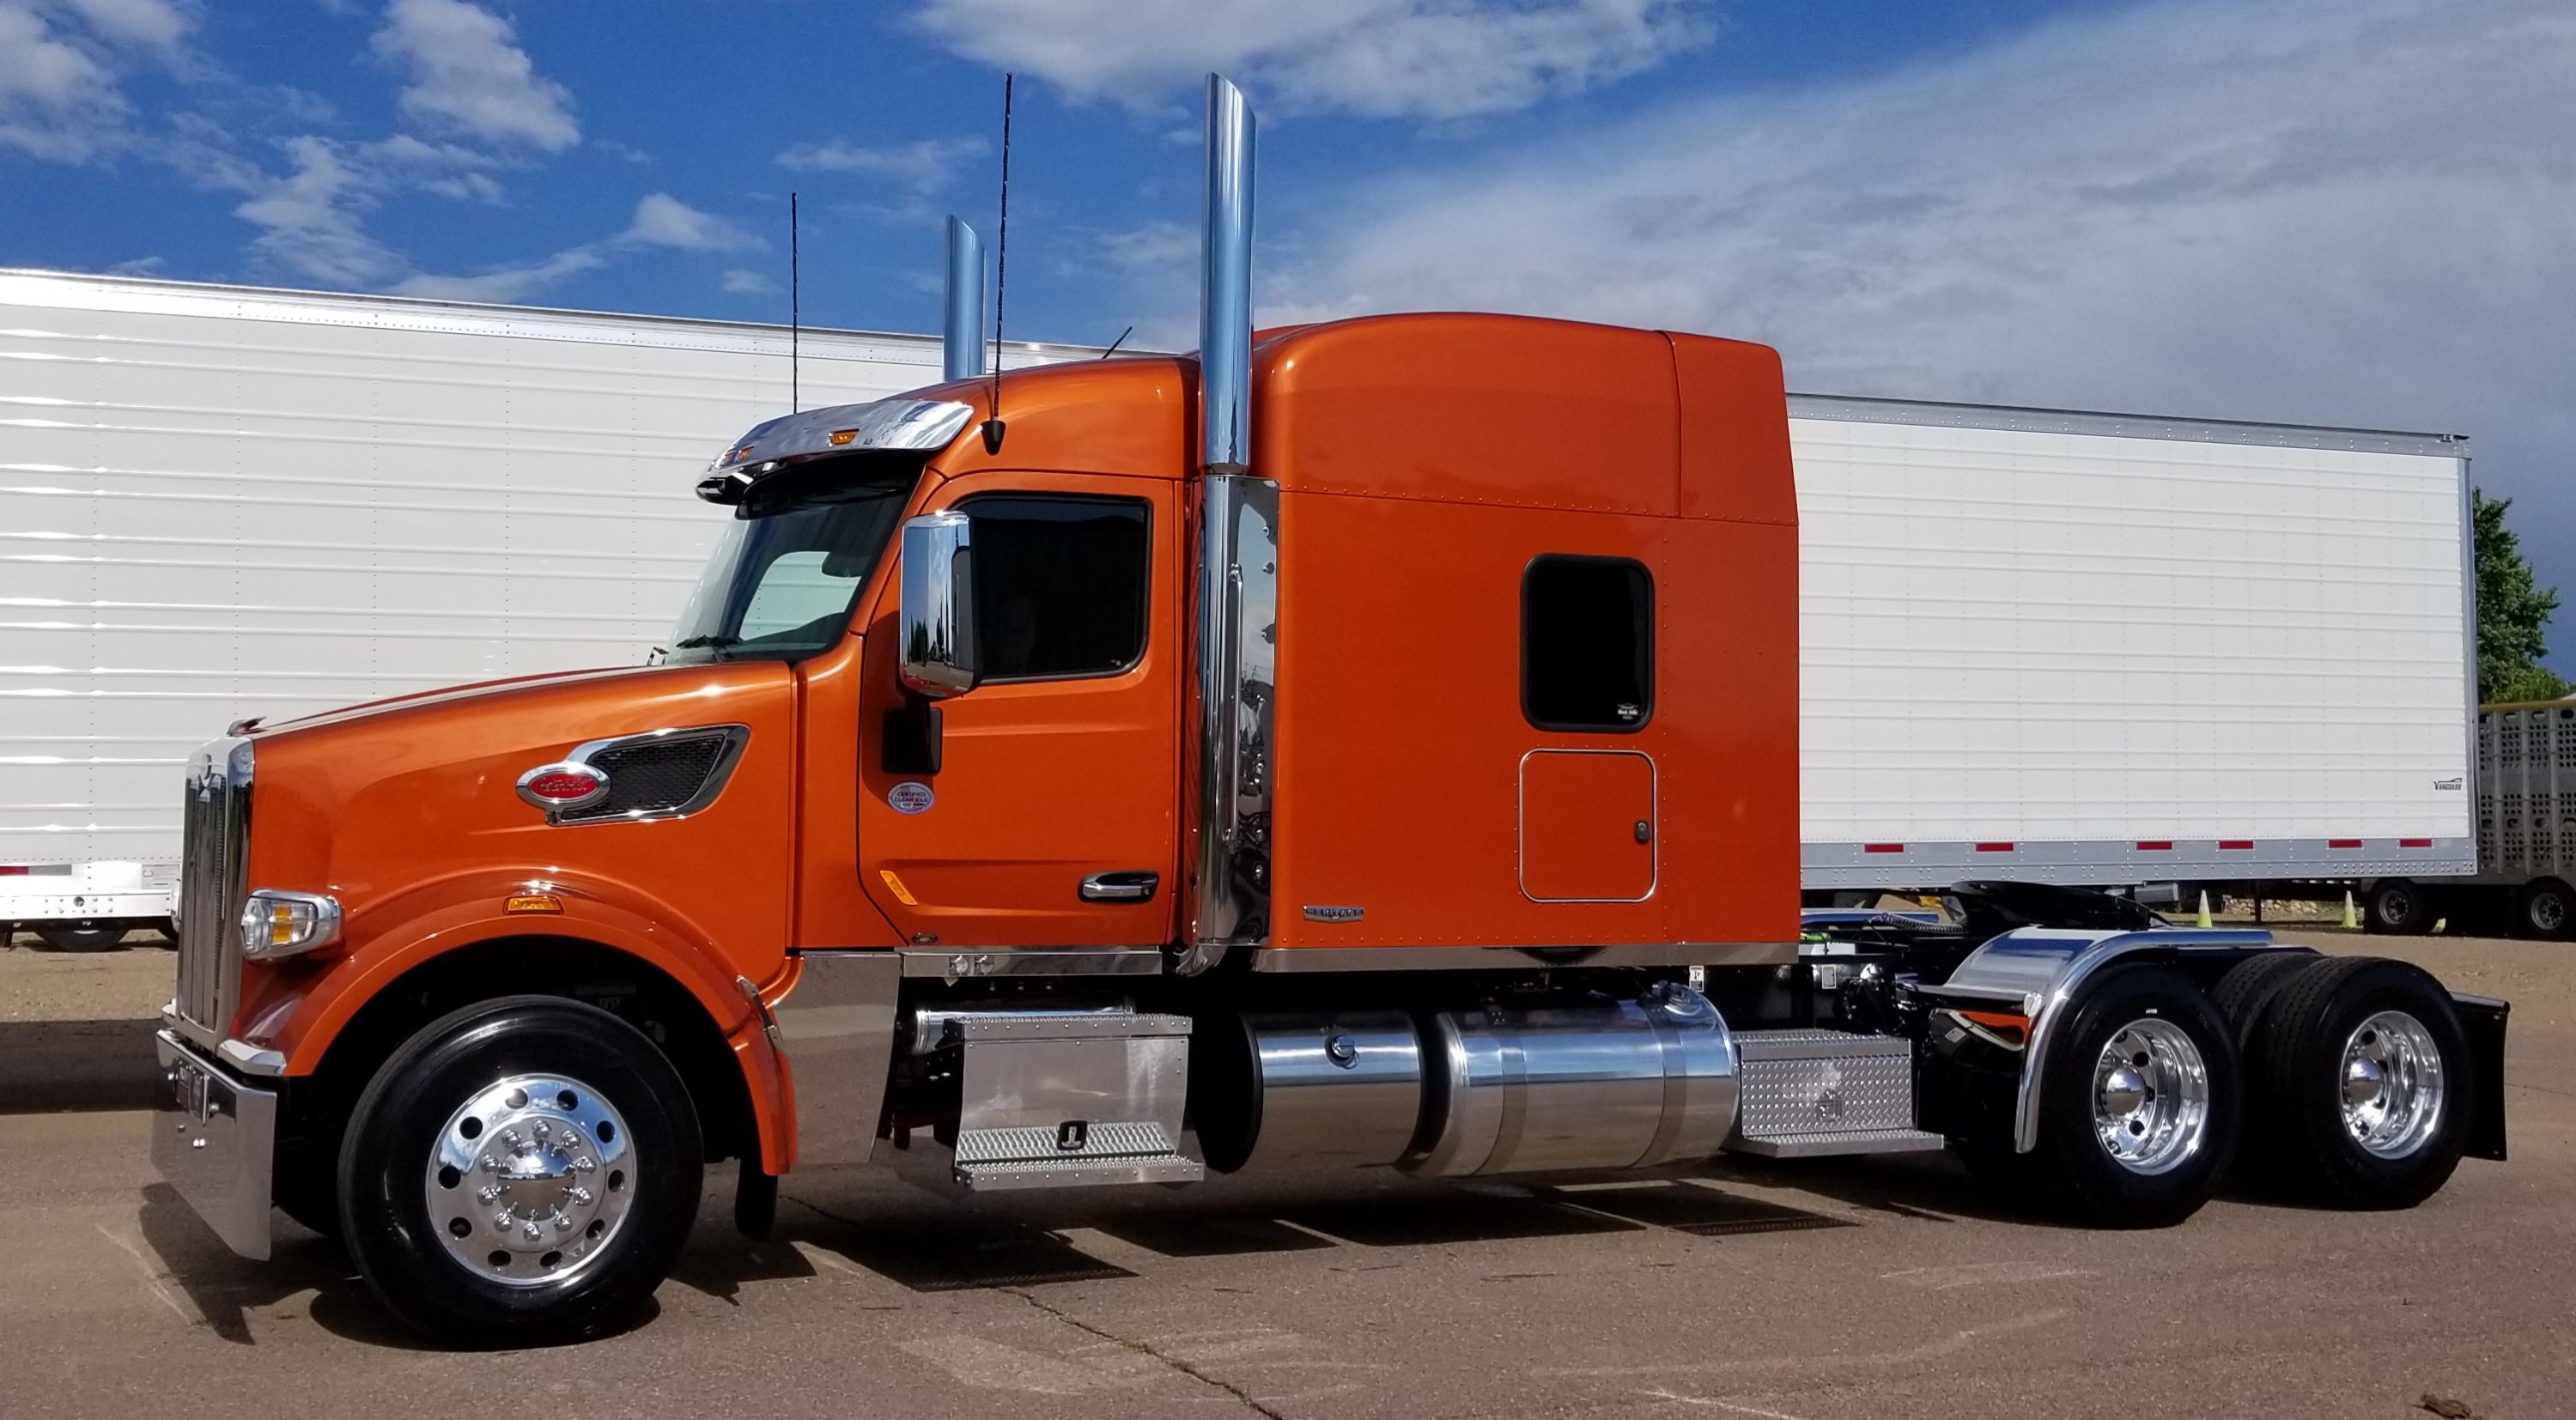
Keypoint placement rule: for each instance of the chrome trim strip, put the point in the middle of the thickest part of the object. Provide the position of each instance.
(835, 1030)
(1859, 409)
(1654, 824)
(214, 1139)
(735, 737)
(1522, 958)
(207, 900)
(1238, 631)
(968, 963)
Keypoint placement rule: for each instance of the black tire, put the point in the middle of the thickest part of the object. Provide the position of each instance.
(401, 1122)
(2298, 1065)
(2249, 986)
(2545, 909)
(2072, 1169)
(2399, 908)
(81, 939)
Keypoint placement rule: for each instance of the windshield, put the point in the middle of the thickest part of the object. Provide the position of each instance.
(781, 581)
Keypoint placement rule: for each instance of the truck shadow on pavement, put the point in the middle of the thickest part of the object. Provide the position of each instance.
(47, 1066)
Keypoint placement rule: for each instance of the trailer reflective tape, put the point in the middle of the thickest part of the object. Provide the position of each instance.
(2235, 845)
(2155, 845)
(2343, 843)
(1994, 848)
(2414, 843)
(1882, 848)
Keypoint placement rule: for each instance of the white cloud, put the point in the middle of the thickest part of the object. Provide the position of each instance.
(469, 76)
(924, 167)
(662, 220)
(505, 283)
(1438, 59)
(312, 220)
(153, 24)
(2332, 211)
(59, 93)
(743, 281)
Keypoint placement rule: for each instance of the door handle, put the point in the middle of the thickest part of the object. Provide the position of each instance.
(1120, 887)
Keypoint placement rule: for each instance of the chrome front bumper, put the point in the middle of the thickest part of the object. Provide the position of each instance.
(214, 1139)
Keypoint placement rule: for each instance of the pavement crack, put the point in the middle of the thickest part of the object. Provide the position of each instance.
(1148, 1349)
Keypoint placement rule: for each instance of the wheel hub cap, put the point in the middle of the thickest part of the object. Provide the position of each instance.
(2150, 1096)
(2393, 1090)
(530, 1180)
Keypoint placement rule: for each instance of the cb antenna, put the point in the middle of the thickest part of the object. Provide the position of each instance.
(795, 311)
(1001, 276)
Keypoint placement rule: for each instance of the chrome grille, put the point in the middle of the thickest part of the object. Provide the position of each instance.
(214, 860)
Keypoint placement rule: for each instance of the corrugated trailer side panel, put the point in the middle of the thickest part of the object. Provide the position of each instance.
(2099, 650)
(218, 502)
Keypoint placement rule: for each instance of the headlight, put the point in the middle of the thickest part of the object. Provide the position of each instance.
(284, 924)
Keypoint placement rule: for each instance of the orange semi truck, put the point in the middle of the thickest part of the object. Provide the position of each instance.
(1367, 743)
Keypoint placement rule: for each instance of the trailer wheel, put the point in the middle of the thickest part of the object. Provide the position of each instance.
(522, 1171)
(2546, 909)
(81, 939)
(2399, 908)
(2363, 1079)
(2138, 1105)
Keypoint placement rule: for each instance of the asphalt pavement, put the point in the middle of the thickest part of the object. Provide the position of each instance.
(1807, 1291)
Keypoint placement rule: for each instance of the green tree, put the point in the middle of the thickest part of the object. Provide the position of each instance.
(2513, 609)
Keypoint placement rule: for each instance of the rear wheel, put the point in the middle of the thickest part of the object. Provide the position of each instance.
(81, 939)
(2363, 1081)
(2249, 986)
(2398, 907)
(2137, 1105)
(2546, 909)
(522, 1171)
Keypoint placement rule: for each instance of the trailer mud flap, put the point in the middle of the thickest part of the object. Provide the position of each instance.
(2482, 1018)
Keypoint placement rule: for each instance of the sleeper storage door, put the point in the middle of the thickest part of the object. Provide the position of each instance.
(1587, 825)
(1051, 818)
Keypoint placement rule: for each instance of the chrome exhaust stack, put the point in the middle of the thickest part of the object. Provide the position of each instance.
(1237, 596)
(961, 334)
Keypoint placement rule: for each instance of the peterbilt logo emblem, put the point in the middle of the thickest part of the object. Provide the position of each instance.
(565, 785)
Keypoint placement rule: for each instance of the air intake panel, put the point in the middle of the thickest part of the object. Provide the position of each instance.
(659, 775)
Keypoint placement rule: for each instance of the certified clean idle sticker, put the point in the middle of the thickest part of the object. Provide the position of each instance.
(911, 797)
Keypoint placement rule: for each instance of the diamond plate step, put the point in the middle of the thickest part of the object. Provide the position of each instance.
(1078, 1172)
(1812, 1093)
(1854, 1141)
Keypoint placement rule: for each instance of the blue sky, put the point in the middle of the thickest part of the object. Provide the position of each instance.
(2333, 211)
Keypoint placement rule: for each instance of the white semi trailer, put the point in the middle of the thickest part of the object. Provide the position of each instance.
(2046, 646)
(219, 502)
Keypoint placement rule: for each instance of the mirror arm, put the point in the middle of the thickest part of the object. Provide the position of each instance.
(911, 738)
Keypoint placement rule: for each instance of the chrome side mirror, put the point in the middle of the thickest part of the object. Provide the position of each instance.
(938, 612)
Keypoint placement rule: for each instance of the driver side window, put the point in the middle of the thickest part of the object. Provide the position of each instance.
(1060, 585)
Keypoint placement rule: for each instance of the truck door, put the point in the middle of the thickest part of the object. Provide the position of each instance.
(1052, 818)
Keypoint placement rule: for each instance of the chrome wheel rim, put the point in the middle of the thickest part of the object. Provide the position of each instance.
(530, 1180)
(2390, 1085)
(2150, 1096)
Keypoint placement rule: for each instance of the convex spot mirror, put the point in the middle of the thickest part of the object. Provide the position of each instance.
(938, 615)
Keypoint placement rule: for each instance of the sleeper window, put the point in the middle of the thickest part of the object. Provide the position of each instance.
(1587, 644)
(1060, 585)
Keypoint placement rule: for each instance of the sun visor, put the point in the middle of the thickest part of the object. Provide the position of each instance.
(918, 427)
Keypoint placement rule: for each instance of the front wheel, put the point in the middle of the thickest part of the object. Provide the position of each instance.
(2137, 1104)
(522, 1171)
